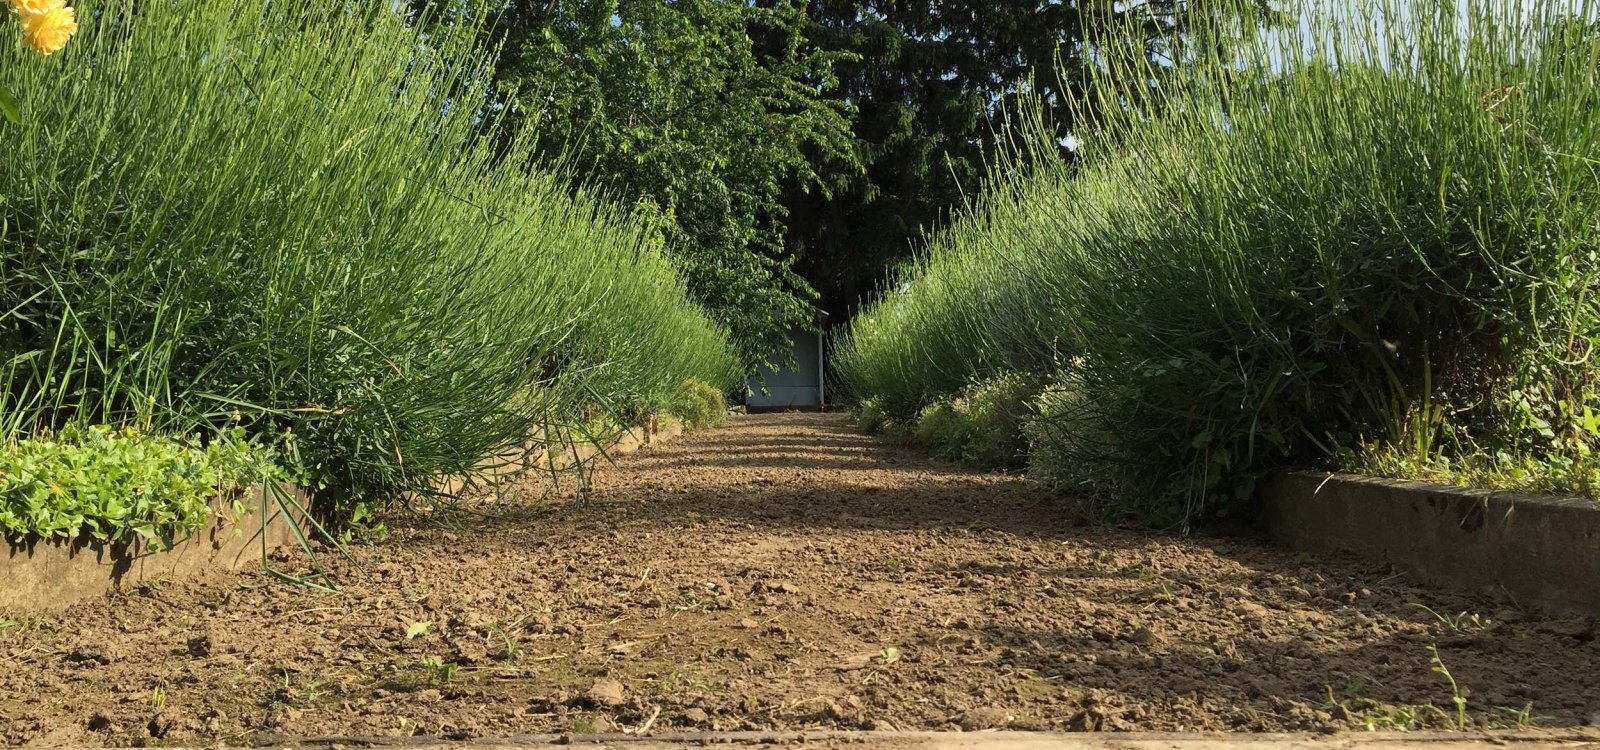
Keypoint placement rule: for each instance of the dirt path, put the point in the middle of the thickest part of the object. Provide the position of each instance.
(786, 573)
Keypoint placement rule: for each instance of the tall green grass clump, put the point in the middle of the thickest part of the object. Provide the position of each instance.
(1359, 233)
(300, 218)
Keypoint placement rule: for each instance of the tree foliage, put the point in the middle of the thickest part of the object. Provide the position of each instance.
(932, 83)
(702, 112)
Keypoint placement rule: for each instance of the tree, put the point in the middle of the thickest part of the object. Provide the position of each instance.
(703, 112)
(931, 82)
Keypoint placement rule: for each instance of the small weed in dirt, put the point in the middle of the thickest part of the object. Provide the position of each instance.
(286, 691)
(504, 632)
(417, 629)
(1365, 713)
(1522, 717)
(1463, 623)
(440, 672)
(1458, 694)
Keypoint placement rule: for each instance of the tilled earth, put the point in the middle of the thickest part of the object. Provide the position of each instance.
(787, 573)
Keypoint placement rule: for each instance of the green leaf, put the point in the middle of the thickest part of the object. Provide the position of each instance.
(8, 105)
(418, 628)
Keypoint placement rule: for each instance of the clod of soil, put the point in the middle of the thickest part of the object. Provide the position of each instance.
(787, 573)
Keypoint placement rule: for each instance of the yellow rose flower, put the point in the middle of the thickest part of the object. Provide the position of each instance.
(36, 7)
(49, 31)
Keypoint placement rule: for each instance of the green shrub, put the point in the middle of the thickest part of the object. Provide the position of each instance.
(869, 417)
(700, 405)
(299, 217)
(1379, 238)
(997, 412)
(1062, 427)
(943, 429)
(109, 483)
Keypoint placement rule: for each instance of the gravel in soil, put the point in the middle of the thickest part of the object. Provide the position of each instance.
(786, 573)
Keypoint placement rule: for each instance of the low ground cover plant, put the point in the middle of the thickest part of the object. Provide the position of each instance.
(985, 425)
(300, 219)
(1315, 245)
(114, 485)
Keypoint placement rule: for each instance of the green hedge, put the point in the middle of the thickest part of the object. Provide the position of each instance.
(1324, 244)
(301, 217)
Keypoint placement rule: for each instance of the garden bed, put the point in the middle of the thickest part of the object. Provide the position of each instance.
(45, 575)
(41, 575)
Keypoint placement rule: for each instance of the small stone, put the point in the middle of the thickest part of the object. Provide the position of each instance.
(1577, 627)
(1251, 610)
(606, 692)
(841, 713)
(881, 725)
(858, 661)
(979, 719)
(1146, 637)
(1507, 616)
(428, 696)
(200, 646)
(89, 655)
(695, 716)
(749, 624)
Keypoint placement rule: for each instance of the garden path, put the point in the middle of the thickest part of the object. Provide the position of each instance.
(786, 573)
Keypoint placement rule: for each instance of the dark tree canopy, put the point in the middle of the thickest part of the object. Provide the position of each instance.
(932, 83)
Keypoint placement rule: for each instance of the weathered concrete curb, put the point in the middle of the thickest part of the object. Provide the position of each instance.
(43, 575)
(1536, 549)
(40, 575)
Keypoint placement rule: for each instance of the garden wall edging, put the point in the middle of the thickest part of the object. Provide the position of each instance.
(44, 574)
(41, 575)
(1535, 549)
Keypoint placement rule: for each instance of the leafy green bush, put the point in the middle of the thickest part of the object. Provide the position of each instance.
(997, 413)
(699, 404)
(110, 483)
(985, 425)
(868, 416)
(298, 217)
(1312, 243)
(943, 429)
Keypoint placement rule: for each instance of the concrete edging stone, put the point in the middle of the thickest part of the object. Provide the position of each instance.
(1533, 549)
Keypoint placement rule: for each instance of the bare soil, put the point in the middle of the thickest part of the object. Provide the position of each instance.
(786, 573)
